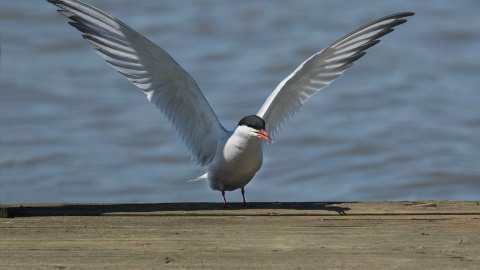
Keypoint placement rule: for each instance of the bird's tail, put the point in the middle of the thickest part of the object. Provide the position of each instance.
(201, 177)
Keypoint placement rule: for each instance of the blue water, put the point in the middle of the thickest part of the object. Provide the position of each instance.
(402, 124)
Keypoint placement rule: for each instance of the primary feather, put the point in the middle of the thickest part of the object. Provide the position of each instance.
(153, 70)
(321, 69)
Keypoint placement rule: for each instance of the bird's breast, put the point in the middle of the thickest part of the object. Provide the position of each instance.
(236, 165)
(244, 154)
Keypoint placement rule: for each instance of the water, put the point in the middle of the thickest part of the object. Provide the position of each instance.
(403, 124)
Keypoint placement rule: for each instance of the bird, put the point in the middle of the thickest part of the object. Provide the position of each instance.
(231, 157)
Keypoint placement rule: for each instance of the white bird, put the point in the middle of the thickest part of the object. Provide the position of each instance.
(233, 157)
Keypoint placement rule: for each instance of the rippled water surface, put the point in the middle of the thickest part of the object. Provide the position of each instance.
(402, 124)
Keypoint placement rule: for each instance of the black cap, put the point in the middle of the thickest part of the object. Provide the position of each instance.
(253, 121)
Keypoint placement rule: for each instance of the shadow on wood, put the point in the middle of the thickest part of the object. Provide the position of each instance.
(204, 209)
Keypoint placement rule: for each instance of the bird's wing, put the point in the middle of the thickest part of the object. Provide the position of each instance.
(321, 69)
(153, 70)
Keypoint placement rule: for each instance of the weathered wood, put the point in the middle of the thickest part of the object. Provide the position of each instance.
(355, 235)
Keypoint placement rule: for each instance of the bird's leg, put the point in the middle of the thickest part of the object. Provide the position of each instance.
(243, 195)
(225, 200)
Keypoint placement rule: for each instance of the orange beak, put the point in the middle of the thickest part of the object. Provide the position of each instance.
(264, 135)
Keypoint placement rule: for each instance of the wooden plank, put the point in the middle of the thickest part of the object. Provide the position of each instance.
(354, 235)
(256, 209)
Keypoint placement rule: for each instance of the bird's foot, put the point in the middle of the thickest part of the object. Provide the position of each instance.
(226, 205)
(244, 201)
(248, 205)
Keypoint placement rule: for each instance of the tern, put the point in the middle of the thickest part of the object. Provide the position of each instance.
(232, 158)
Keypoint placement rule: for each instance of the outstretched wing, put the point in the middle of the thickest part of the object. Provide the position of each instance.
(153, 70)
(321, 69)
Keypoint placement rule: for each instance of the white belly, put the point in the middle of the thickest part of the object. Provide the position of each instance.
(235, 166)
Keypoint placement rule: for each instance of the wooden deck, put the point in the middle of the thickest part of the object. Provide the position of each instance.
(353, 235)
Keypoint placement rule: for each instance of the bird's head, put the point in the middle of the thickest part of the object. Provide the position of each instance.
(254, 125)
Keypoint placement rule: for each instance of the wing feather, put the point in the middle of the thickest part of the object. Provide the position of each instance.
(321, 69)
(153, 70)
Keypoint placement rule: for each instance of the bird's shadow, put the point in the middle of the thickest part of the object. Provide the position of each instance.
(194, 208)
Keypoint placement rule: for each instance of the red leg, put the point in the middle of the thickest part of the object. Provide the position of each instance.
(243, 195)
(225, 200)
